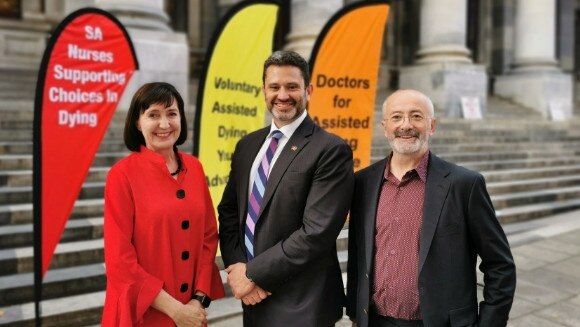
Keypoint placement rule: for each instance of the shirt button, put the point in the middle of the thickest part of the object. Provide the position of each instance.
(367, 276)
(184, 287)
(180, 194)
(392, 251)
(185, 224)
(184, 255)
(365, 311)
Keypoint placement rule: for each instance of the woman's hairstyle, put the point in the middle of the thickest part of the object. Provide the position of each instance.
(146, 95)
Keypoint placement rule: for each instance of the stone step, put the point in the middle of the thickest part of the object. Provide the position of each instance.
(86, 310)
(562, 194)
(107, 145)
(18, 289)
(20, 260)
(25, 134)
(222, 312)
(509, 139)
(493, 123)
(85, 278)
(24, 177)
(225, 312)
(509, 155)
(22, 213)
(486, 147)
(19, 311)
(526, 173)
(506, 159)
(94, 190)
(535, 210)
(496, 188)
(24, 161)
(16, 147)
(16, 236)
(17, 93)
(496, 147)
(496, 134)
(501, 165)
(23, 194)
(21, 110)
(78, 310)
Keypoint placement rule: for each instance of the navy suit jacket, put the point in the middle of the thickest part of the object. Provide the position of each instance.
(459, 223)
(304, 208)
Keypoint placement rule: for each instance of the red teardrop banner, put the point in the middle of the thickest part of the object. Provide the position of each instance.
(85, 69)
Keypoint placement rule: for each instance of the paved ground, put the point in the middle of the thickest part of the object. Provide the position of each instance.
(548, 266)
(547, 255)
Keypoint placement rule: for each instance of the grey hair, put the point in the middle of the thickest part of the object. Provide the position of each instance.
(425, 98)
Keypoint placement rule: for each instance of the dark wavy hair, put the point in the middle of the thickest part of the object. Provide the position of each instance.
(288, 58)
(146, 95)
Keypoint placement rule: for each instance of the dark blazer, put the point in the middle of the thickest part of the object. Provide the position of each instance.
(305, 204)
(459, 223)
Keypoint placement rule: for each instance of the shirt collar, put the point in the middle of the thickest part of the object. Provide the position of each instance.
(289, 129)
(157, 158)
(421, 168)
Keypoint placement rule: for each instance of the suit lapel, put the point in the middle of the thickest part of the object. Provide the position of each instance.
(295, 144)
(436, 192)
(373, 184)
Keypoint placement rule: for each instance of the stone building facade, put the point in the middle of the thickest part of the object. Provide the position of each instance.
(520, 50)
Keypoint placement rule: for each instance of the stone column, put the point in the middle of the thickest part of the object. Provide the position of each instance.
(307, 19)
(536, 80)
(444, 69)
(225, 5)
(162, 53)
(443, 32)
(22, 41)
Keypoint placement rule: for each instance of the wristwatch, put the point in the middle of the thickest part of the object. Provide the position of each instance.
(203, 299)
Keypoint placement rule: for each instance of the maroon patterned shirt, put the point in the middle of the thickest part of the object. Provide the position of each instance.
(398, 230)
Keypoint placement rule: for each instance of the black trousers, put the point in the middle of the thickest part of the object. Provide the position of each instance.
(376, 320)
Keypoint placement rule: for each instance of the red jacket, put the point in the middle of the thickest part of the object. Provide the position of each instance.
(159, 233)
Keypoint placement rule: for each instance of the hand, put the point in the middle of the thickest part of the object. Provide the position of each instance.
(255, 296)
(191, 314)
(239, 283)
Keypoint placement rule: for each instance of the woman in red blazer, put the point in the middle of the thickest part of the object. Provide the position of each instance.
(160, 225)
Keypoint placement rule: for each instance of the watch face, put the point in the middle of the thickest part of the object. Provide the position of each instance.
(204, 299)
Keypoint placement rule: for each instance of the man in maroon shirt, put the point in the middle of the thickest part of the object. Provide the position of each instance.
(417, 225)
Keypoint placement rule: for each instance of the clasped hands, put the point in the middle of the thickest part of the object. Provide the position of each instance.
(191, 314)
(242, 287)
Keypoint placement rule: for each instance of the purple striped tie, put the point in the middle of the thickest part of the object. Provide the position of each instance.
(258, 189)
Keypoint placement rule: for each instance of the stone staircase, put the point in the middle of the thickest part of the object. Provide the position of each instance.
(532, 168)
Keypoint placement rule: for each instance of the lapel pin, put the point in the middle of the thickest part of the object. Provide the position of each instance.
(294, 148)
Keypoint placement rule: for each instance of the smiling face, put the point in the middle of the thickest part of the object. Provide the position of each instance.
(408, 122)
(160, 126)
(285, 93)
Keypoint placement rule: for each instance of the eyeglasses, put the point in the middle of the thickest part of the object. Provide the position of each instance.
(415, 118)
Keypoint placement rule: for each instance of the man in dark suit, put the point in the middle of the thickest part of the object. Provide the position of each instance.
(278, 230)
(417, 225)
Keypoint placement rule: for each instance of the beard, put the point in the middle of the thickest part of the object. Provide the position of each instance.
(409, 146)
(287, 115)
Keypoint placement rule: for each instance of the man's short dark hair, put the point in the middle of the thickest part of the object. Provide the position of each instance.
(146, 95)
(288, 58)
